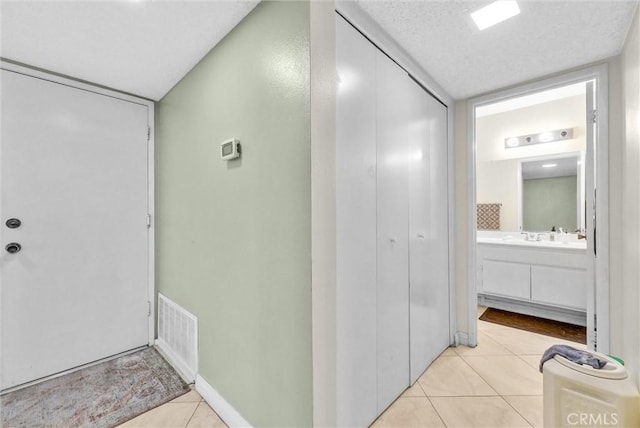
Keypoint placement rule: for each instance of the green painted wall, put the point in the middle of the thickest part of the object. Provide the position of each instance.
(548, 202)
(234, 239)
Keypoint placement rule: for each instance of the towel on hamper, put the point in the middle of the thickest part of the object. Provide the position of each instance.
(572, 354)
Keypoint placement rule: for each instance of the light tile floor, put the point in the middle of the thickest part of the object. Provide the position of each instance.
(497, 384)
(186, 411)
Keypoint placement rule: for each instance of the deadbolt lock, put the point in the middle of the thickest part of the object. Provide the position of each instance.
(13, 248)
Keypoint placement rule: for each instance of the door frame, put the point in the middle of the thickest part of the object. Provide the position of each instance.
(599, 296)
(101, 90)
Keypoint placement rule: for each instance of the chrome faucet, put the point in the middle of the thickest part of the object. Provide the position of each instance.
(532, 236)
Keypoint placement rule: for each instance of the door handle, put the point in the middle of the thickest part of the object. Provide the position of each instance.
(13, 223)
(13, 248)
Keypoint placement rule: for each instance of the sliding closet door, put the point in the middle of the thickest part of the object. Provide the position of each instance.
(392, 99)
(356, 228)
(428, 230)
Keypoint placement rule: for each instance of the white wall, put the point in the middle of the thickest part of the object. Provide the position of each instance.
(630, 68)
(492, 130)
(462, 184)
(497, 182)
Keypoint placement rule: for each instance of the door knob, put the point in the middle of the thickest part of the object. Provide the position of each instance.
(13, 223)
(13, 248)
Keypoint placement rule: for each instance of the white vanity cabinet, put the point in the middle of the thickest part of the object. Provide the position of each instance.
(506, 279)
(559, 286)
(533, 278)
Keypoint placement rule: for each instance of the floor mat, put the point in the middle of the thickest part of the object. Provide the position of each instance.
(104, 395)
(561, 330)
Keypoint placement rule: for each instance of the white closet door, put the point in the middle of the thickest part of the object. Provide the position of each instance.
(428, 225)
(392, 100)
(356, 228)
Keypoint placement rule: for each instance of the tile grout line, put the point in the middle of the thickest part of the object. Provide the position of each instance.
(476, 396)
(499, 394)
(525, 361)
(194, 412)
(516, 410)
(493, 339)
(499, 343)
(513, 353)
(480, 376)
(487, 382)
(436, 410)
(420, 385)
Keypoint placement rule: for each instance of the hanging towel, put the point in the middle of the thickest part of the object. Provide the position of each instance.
(572, 354)
(488, 216)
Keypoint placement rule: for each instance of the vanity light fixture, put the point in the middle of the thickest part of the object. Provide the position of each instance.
(542, 137)
(545, 137)
(495, 13)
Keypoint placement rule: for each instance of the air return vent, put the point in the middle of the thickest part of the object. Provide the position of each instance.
(178, 337)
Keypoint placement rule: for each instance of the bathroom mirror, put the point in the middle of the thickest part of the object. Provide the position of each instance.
(551, 193)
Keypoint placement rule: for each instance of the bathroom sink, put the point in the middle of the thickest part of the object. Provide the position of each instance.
(518, 241)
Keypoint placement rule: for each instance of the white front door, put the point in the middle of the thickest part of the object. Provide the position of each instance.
(74, 173)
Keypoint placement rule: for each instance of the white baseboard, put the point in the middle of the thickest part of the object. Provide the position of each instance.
(183, 370)
(227, 413)
(461, 338)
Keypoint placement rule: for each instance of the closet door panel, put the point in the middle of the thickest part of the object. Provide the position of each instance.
(419, 233)
(428, 230)
(392, 210)
(356, 228)
(438, 282)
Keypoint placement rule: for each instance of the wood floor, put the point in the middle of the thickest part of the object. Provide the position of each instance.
(561, 330)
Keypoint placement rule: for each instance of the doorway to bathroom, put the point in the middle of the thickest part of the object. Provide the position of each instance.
(538, 203)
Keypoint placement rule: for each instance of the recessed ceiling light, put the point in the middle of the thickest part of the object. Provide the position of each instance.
(550, 165)
(494, 13)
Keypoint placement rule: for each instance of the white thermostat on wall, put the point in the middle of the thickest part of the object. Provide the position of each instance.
(230, 149)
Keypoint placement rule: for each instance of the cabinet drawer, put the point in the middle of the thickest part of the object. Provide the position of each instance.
(506, 279)
(559, 286)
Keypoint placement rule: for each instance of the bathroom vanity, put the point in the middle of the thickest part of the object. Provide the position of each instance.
(541, 277)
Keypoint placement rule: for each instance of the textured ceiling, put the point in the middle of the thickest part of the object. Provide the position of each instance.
(145, 47)
(546, 37)
(142, 47)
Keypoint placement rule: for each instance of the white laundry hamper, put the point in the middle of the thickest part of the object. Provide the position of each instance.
(577, 395)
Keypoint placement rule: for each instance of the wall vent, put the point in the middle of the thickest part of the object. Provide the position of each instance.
(178, 337)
